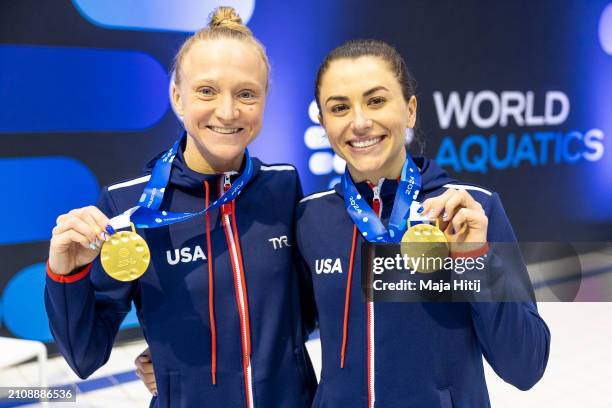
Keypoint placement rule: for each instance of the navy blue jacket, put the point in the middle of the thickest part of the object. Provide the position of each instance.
(256, 296)
(422, 355)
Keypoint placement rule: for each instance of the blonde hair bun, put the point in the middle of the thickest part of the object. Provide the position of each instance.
(226, 17)
(224, 23)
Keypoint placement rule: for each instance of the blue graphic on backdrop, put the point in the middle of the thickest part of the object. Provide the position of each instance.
(323, 160)
(157, 15)
(38, 190)
(80, 90)
(605, 29)
(24, 308)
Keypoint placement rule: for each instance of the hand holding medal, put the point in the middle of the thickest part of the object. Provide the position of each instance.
(461, 218)
(76, 239)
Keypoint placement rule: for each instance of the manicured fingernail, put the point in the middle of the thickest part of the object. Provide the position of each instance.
(110, 230)
(420, 210)
(445, 217)
(93, 246)
(104, 236)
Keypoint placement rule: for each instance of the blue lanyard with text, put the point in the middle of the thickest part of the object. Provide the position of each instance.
(368, 223)
(147, 215)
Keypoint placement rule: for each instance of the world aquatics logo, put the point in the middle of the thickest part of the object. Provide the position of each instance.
(544, 144)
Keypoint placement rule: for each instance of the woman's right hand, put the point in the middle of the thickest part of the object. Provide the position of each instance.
(76, 239)
(144, 371)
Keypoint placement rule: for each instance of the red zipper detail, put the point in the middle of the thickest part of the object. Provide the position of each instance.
(233, 243)
(377, 208)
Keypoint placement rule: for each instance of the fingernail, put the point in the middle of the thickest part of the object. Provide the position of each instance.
(104, 236)
(110, 229)
(93, 246)
(445, 216)
(420, 210)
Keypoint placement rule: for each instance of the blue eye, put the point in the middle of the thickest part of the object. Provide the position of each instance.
(206, 91)
(247, 94)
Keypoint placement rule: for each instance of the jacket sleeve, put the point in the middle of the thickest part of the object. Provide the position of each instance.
(513, 337)
(307, 301)
(86, 309)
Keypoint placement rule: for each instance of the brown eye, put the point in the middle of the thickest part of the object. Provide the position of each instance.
(376, 101)
(339, 108)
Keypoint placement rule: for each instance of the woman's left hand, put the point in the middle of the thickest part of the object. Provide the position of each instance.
(462, 219)
(145, 371)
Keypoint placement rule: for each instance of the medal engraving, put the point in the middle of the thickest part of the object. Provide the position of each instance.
(428, 242)
(126, 256)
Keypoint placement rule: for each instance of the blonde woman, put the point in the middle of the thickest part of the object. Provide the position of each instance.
(219, 303)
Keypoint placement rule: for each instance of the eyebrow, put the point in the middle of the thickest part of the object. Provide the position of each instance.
(242, 85)
(374, 90)
(366, 93)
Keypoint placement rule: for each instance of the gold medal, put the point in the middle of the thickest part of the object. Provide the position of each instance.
(426, 242)
(125, 256)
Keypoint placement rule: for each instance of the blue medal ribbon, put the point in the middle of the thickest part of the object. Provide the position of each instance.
(147, 214)
(368, 223)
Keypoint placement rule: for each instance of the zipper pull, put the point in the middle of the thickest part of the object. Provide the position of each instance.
(226, 209)
(376, 199)
(376, 191)
(226, 181)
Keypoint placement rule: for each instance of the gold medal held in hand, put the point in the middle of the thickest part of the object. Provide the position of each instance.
(125, 256)
(427, 243)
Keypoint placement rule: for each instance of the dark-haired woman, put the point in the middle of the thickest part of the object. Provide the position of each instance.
(382, 354)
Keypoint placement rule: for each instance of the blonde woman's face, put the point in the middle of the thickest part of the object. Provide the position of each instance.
(365, 115)
(221, 96)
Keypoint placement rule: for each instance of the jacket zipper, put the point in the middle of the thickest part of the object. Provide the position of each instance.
(227, 211)
(377, 207)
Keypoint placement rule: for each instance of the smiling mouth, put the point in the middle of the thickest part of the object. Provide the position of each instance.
(223, 130)
(365, 143)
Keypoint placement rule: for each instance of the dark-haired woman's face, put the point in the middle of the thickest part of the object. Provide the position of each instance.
(365, 116)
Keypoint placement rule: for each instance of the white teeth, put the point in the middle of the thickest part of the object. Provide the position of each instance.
(365, 143)
(225, 131)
